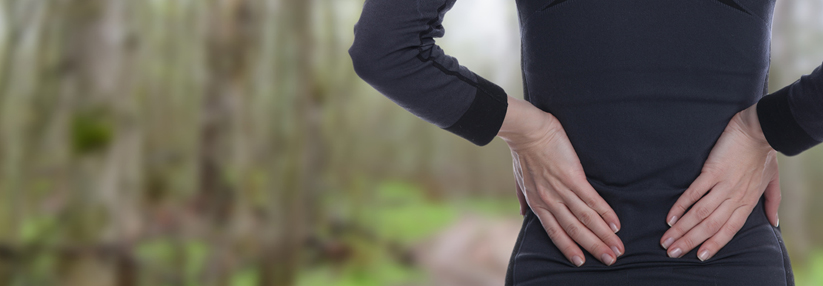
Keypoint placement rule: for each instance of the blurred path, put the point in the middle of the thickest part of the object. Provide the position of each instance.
(474, 251)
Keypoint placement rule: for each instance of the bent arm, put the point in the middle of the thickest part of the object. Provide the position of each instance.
(792, 117)
(395, 52)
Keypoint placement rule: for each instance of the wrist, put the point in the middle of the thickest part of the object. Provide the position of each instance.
(524, 123)
(751, 124)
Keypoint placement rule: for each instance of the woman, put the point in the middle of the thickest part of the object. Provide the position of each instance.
(644, 136)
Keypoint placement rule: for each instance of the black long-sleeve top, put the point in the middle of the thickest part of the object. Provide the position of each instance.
(394, 51)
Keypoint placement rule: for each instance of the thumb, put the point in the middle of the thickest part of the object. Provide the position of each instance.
(772, 202)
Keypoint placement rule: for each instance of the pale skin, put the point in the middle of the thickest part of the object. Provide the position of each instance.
(740, 168)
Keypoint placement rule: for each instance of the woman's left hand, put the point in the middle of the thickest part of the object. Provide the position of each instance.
(741, 165)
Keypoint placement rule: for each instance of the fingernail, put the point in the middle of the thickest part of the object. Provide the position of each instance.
(577, 260)
(675, 253)
(667, 242)
(607, 259)
(614, 227)
(703, 255)
(672, 220)
(616, 251)
(778, 221)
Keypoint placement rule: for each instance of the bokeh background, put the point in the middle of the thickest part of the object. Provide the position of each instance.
(229, 142)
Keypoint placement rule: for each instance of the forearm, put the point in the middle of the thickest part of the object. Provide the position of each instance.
(395, 52)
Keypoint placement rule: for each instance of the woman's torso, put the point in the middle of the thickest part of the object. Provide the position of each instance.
(644, 88)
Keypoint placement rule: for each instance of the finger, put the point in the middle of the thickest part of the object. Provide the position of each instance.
(703, 231)
(582, 235)
(726, 233)
(696, 190)
(773, 198)
(522, 199)
(700, 211)
(559, 237)
(593, 221)
(588, 195)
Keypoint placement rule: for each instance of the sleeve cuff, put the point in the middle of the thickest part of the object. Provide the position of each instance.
(481, 122)
(779, 126)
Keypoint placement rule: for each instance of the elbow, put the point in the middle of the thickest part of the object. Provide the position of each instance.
(365, 50)
(361, 60)
(378, 56)
(366, 60)
(386, 42)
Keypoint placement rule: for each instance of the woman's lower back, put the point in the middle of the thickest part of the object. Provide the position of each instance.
(755, 256)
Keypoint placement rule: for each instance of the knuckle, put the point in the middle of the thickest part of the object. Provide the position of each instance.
(552, 232)
(714, 225)
(546, 196)
(675, 235)
(597, 248)
(575, 174)
(608, 214)
(569, 249)
(681, 208)
(694, 195)
(733, 226)
(677, 230)
(546, 173)
(591, 202)
(702, 212)
(612, 239)
(710, 172)
(599, 206)
(688, 242)
(711, 246)
(586, 218)
(557, 185)
(572, 229)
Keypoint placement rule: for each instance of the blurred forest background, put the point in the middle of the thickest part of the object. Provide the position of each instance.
(229, 142)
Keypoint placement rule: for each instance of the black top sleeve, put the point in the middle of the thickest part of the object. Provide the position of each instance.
(792, 117)
(395, 52)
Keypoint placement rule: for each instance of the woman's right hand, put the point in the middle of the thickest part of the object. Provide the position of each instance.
(553, 184)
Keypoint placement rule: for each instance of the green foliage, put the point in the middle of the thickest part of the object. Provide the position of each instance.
(156, 250)
(810, 273)
(91, 131)
(401, 213)
(196, 253)
(246, 277)
(373, 266)
(34, 228)
(166, 255)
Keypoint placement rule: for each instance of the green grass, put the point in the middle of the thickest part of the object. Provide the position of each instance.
(402, 214)
(810, 273)
(399, 214)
